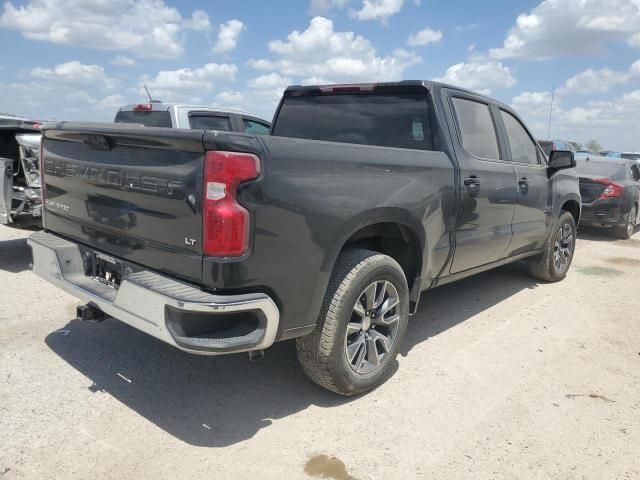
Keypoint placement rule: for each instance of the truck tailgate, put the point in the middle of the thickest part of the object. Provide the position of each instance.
(128, 191)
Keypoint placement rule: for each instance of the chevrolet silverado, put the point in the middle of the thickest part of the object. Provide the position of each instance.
(327, 230)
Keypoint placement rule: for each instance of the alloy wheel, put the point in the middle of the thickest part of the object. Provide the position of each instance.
(563, 248)
(373, 327)
(631, 224)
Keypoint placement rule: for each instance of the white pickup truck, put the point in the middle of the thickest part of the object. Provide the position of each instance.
(176, 115)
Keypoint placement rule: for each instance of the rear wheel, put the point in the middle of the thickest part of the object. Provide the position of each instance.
(554, 263)
(626, 232)
(361, 327)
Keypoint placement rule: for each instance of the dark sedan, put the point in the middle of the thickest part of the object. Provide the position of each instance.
(610, 191)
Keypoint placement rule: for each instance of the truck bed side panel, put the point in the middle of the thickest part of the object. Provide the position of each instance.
(312, 197)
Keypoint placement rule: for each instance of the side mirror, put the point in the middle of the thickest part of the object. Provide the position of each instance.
(560, 159)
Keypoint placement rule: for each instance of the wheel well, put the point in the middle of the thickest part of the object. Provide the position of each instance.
(395, 240)
(573, 208)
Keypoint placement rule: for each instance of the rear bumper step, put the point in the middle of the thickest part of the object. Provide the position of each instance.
(174, 312)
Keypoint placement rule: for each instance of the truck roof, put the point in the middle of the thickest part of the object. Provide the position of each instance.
(163, 106)
(363, 87)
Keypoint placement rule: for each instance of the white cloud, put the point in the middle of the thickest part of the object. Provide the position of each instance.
(466, 28)
(146, 28)
(635, 68)
(594, 81)
(67, 91)
(570, 27)
(228, 36)
(199, 21)
(271, 80)
(612, 123)
(123, 61)
(187, 84)
(483, 77)
(322, 52)
(634, 40)
(424, 37)
(75, 73)
(323, 7)
(230, 98)
(379, 10)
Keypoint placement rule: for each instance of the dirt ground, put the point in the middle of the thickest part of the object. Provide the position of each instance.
(500, 377)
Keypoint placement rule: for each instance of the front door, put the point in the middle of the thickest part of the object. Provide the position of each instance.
(488, 185)
(531, 219)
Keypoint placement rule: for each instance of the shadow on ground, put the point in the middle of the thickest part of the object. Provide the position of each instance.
(599, 234)
(219, 401)
(15, 255)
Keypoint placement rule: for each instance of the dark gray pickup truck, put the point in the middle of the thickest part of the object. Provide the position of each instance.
(326, 230)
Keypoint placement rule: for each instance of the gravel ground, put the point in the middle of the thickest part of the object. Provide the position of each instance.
(501, 377)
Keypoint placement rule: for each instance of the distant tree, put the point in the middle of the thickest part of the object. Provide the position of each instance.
(593, 146)
(576, 145)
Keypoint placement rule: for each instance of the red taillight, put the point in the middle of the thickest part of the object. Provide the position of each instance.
(143, 107)
(225, 223)
(612, 190)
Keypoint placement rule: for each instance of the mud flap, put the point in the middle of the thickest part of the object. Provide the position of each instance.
(6, 189)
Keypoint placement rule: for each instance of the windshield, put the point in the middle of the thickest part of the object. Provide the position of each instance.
(146, 118)
(386, 120)
(600, 169)
(631, 156)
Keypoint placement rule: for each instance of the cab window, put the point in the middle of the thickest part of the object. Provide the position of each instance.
(210, 122)
(254, 127)
(523, 148)
(477, 131)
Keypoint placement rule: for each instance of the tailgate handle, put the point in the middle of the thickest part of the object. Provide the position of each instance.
(97, 142)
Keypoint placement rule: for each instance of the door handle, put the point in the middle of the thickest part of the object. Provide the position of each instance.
(472, 181)
(524, 182)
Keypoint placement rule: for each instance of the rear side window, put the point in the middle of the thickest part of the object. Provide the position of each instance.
(635, 172)
(476, 128)
(255, 128)
(148, 119)
(523, 148)
(385, 120)
(210, 122)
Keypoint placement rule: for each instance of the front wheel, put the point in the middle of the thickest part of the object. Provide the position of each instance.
(361, 327)
(556, 259)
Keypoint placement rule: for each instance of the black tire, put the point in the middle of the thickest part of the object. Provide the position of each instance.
(547, 267)
(323, 354)
(626, 232)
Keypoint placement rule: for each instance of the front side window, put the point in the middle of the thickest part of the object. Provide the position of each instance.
(523, 148)
(210, 122)
(476, 128)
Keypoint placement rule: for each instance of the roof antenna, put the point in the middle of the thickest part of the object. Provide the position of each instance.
(151, 100)
(553, 94)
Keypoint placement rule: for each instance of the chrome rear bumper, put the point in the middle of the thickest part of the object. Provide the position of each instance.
(156, 304)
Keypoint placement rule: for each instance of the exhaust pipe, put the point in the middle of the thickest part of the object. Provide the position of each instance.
(89, 313)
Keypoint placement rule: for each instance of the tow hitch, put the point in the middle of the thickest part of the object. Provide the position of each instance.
(89, 313)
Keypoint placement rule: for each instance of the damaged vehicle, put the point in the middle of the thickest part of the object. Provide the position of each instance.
(20, 192)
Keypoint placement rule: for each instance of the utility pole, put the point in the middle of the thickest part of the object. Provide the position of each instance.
(553, 94)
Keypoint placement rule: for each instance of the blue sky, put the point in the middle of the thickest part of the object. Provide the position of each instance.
(82, 59)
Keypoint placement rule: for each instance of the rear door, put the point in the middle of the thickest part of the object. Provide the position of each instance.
(131, 192)
(531, 217)
(488, 190)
